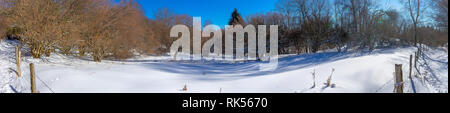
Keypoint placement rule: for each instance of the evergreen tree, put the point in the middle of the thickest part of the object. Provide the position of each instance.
(236, 18)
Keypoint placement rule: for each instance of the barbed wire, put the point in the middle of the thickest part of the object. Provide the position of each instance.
(384, 85)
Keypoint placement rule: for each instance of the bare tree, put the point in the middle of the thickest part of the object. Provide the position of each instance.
(164, 20)
(38, 21)
(441, 13)
(415, 9)
(98, 27)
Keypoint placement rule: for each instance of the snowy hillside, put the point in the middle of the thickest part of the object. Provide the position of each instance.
(355, 72)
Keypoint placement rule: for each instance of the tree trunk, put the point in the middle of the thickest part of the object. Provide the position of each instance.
(415, 34)
(36, 50)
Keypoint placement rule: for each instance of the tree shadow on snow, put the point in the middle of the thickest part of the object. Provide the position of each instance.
(251, 68)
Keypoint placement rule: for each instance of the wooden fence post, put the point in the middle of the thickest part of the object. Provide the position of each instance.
(18, 58)
(410, 65)
(398, 86)
(32, 80)
(416, 58)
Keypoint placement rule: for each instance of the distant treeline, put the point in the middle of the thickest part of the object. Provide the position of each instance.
(115, 29)
(314, 25)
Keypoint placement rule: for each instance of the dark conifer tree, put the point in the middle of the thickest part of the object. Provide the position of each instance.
(236, 18)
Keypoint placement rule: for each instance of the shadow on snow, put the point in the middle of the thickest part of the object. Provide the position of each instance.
(251, 68)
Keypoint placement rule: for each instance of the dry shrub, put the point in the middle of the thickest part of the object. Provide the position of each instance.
(3, 28)
(3, 23)
(117, 30)
(99, 28)
(164, 20)
(38, 20)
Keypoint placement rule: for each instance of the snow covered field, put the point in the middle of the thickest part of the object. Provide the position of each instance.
(355, 72)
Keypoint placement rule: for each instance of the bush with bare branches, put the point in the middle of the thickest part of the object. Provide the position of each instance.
(98, 28)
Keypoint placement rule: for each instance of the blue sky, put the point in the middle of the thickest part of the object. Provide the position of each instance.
(219, 11)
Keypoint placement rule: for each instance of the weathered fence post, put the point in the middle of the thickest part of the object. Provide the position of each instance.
(18, 57)
(32, 80)
(314, 78)
(416, 58)
(398, 86)
(410, 65)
